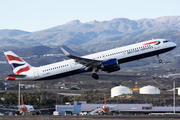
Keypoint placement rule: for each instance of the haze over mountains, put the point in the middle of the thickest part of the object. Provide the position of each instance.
(94, 32)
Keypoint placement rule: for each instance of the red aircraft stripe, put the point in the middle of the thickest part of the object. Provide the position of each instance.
(151, 42)
(23, 70)
(10, 57)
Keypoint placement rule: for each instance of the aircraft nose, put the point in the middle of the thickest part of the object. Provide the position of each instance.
(174, 44)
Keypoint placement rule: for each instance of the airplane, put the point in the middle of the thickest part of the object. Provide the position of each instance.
(104, 109)
(108, 61)
(24, 109)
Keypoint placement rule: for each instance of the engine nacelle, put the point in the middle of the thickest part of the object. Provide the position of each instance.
(110, 65)
(18, 112)
(38, 112)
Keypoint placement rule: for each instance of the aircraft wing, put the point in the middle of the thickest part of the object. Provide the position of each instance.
(39, 111)
(114, 110)
(84, 61)
(8, 109)
(43, 109)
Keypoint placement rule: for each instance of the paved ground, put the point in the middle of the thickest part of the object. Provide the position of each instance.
(89, 117)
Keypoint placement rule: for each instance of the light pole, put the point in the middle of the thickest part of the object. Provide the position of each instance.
(19, 97)
(174, 94)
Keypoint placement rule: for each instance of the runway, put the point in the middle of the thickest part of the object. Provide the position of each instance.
(108, 117)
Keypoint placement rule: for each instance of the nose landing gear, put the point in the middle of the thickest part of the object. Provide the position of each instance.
(159, 60)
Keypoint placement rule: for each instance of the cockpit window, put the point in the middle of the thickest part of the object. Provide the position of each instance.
(165, 41)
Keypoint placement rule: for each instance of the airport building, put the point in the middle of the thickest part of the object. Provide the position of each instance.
(126, 109)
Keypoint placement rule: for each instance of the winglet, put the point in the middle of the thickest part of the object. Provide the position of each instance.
(65, 52)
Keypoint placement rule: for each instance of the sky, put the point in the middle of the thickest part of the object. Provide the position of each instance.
(35, 15)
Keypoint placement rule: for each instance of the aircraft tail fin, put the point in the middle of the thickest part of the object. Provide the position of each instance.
(104, 98)
(22, 103)
(17, 64)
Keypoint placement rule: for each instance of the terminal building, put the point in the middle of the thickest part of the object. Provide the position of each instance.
(126, 109)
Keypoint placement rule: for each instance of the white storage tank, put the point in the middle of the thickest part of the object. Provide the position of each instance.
(119, 90)
(149, 90)
(178, 90)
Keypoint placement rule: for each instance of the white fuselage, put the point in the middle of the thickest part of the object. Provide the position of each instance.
(122, 54)
(26, 108)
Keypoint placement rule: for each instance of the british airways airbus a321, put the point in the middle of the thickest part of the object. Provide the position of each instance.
(107, 61)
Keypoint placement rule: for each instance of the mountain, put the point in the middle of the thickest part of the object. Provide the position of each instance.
(173, 65)
(95, 32)
(11, 33)
(10, 42)
(172, 35)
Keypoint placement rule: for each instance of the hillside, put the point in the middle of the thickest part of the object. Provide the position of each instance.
(94, 32)
(11, 33)
(174, 65)
(172, 35)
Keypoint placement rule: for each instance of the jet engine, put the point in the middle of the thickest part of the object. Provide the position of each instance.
(38, 112)
(110, 65)
(18, 112)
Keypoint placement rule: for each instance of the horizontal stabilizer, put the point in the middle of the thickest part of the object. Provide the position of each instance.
(17, 76)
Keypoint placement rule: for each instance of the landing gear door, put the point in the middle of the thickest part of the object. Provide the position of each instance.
(36, 75)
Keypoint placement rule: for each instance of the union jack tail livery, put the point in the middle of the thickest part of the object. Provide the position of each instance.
(17, 64)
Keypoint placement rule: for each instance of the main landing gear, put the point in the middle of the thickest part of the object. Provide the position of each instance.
(159, 60)
(95, 76)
